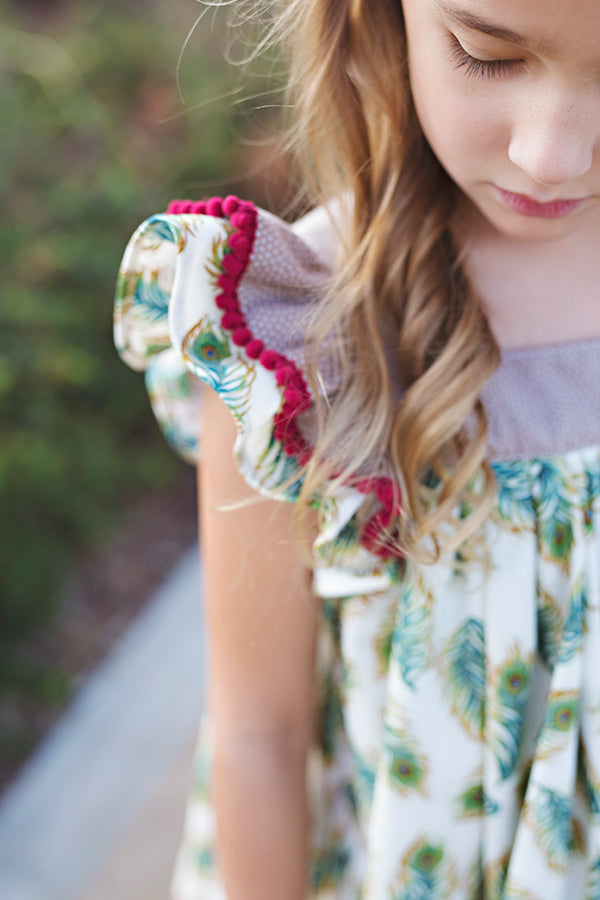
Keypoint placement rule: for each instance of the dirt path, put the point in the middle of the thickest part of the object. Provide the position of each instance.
(100, 598)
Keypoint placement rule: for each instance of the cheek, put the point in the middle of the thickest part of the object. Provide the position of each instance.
(458, 121)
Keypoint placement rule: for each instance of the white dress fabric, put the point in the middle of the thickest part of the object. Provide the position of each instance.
(458, 754)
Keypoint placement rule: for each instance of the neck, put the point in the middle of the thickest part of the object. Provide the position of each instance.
(534, 292)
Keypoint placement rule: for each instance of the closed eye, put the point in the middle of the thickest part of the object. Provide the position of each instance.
(484, 68)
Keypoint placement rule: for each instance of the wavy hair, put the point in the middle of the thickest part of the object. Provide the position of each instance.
(400, 308)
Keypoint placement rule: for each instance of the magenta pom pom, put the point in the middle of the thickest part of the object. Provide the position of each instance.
(254, 348)
(283, 374)
(268, 358)
(364, 485)
(241, 336)
(214, 207)
(226, 302)
(385, 492)
(232, 265)
(227, 283)
(230, 205)
(242, 221)
(232, 320)
(240, 245)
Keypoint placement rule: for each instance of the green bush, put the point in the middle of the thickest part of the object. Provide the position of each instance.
(94, 139)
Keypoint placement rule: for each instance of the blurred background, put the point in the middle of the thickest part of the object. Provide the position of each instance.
(99, 127)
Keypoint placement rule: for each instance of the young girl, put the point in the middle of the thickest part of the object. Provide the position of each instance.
(417, 360)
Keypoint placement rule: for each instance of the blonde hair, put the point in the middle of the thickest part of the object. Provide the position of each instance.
(399, 298)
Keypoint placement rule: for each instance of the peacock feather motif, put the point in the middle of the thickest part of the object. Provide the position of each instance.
(139, 291)
(561, 713)
(411, 643)
(208, 353)
(328, 865)
(549, 815)
(500, 887)
(575, 623)
(149, 300)
(510, 690)
(204, 857)
(160, 229)
(124, 293)
(206, 347)
(588, 780)
(555, 509)
(550, 624)
(473, 801)
(425, 873)
(512, 891)
(350, 678)
(592, 889)
(330, 714)
(474, 879)
(383, 643)
(406, 765)
(592, 492)
(169, 388)
(364, 779)
(592, 477)
(348, 538)
(590, 495)
(214, 266)
(588, 517)
(494, 877)
(283, 470)
(463, 666)
(330, 617)
(515, 504)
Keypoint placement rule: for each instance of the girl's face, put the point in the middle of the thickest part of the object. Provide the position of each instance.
(508, 96)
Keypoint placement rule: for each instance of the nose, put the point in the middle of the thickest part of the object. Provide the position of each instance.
(553, 144)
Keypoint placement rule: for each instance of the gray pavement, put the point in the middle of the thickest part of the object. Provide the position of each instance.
(97, 811)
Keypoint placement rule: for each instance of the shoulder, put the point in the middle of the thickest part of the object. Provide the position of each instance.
(322, 229)
(226, 256)
(222, 293)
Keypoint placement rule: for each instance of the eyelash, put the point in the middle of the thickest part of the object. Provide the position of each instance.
(482, 68)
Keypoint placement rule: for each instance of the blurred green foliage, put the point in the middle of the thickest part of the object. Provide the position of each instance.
(94, 138)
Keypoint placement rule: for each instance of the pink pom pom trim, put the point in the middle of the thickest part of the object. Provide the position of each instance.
(268, 359)
(230, 205)
(232, 320)
(254, 348)
(376, 535)
(241, 336)
(214, 207)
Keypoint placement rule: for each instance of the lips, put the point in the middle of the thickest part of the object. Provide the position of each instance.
(527, 206)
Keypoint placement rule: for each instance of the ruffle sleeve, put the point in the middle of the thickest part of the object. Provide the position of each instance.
(220, 293)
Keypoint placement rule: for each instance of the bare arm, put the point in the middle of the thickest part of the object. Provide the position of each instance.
(261, 622)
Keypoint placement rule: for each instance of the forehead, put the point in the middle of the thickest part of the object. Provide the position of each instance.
(554, 27)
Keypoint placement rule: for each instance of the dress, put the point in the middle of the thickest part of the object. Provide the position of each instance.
(459, 742)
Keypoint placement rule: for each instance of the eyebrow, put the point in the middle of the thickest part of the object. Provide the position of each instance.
(476, 23)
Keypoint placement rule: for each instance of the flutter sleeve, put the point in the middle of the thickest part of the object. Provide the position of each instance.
(221, 293)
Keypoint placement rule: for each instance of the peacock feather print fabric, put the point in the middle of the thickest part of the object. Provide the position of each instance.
(458, 745)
